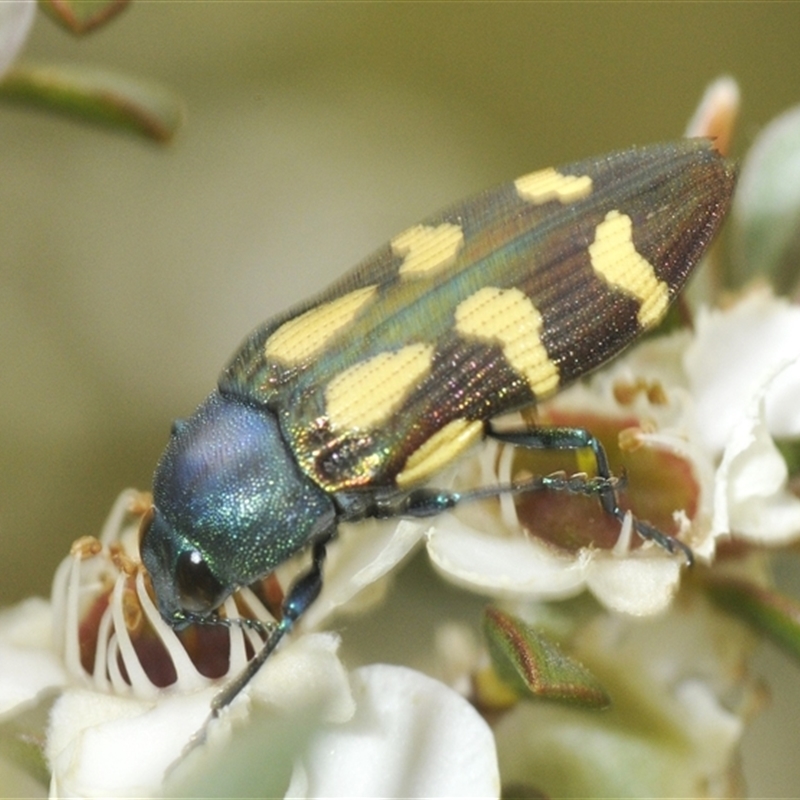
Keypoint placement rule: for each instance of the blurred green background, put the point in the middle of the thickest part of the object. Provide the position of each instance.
(129, 272)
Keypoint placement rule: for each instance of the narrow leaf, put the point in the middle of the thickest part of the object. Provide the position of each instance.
(532, 665)
(94, 95)
(766, 610)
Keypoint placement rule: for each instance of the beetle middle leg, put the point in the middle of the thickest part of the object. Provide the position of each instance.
(580, 439)
(428, 502)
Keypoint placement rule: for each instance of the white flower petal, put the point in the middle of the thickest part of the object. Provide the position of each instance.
(28, 665)
(503, 565)
(251, 749)
(101, 745)
(518, 567)
(733, 353)
(24, 675)
(362, 555)
(639, 586)
(411, 736)
(710, 720)
(301, 727)
(16, 19)
(27, 624)
(751, 496)
(306, 672)
(717, 112)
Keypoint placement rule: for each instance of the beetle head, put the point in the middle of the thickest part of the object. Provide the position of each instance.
(229, 505)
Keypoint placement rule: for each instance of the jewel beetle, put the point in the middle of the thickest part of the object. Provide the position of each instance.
(348, 405)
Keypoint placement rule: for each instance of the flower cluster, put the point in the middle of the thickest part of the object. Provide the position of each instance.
(590, 612)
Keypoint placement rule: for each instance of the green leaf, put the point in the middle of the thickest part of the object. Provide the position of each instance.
(82, 16)
(790, 450)
(97, 96)
(766, 610)
(533, 665)
(766, 207)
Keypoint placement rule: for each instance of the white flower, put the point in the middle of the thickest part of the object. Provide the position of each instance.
(133, 695)
(744, 368)
(30, 666)
(132, 715)
(690, 415)
(16, 20)
(736, 356)
(695, 413)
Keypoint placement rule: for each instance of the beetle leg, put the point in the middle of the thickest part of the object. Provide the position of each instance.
(302, 594)
(579, 439)
(430, 502)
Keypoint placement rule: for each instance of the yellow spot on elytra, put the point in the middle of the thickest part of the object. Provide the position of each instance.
(547, 184)
(297, 340)
(444, 446)
(615, 259)
(425, 249)
(367, 394)
(509, 317)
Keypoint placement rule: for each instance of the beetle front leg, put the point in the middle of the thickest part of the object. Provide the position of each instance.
(303, 593)
(580, 439)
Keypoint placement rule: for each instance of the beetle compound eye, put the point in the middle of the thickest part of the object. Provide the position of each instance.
(199, 591)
